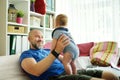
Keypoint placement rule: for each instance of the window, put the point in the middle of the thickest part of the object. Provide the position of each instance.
(92, 20)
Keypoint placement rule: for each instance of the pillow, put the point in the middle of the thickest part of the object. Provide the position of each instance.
(85, 48)
(47, 45)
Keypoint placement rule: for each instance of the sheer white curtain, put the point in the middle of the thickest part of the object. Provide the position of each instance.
(92, 20)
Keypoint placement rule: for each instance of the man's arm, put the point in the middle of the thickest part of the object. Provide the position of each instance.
(37, 68)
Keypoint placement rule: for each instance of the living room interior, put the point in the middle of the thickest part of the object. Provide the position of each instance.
(91, 23)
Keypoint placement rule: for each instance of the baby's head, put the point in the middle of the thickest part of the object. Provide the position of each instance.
(61, 20)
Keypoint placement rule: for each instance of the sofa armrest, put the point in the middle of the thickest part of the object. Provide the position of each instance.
(10, 69)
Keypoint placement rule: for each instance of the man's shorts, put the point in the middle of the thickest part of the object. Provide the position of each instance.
(82, 75)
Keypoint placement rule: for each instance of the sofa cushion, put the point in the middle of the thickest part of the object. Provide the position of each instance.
(85, 48)
(83, 62)
(47, 45)
(10, 68)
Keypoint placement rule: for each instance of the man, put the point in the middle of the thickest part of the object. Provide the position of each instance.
(43, 64)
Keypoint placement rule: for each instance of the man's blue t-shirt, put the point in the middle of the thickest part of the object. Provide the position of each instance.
(56, 68)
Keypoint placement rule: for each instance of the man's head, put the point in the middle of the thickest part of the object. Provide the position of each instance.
(35, 38)
(61, 20)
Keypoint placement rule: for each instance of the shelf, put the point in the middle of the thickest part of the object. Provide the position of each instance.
(17, 1)
(49, 29)
(14, 23)
(34, 27)
(20, 34)
(50, 12)
(36, 14)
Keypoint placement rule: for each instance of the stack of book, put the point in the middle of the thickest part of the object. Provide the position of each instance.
(17, 44)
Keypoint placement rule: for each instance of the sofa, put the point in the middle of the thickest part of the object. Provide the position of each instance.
(10, 69)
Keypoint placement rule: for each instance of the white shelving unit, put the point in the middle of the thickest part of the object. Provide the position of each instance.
(23, 5)
(4, 4)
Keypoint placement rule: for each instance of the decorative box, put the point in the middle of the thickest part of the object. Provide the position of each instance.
(16, 29)
(34, 21)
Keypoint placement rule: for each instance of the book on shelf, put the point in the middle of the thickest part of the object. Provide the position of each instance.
(13, 39)
(25, 45)
(18, 45)
(50, 5)
(53, 5)
(8, 45)
(49, 21)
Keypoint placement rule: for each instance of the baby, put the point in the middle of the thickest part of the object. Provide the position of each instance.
(70, 52)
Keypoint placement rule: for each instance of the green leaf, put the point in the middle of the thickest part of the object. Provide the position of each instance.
(20, 13)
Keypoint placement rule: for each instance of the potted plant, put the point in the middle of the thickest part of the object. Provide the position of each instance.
(20, 15)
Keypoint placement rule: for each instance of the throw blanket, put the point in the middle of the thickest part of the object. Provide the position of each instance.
(104, 53)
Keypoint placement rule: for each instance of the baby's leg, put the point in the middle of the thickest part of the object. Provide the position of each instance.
(66, 62)
(73, 66)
